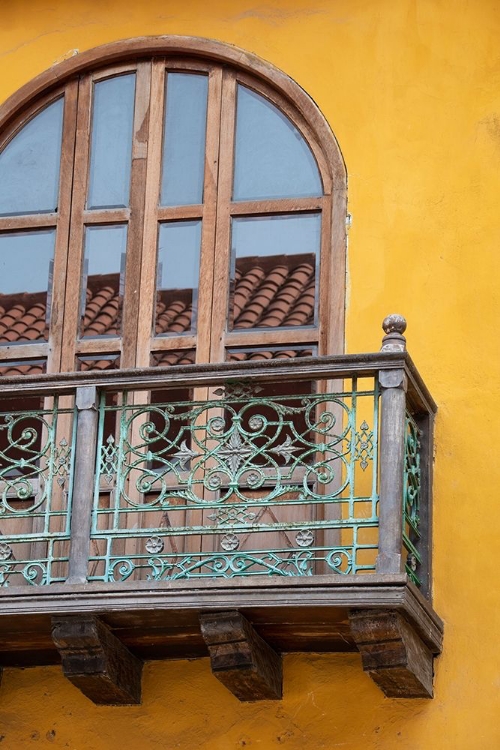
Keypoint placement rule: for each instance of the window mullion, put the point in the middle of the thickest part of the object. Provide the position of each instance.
(211, 188)
(66, 180)
(131, 301)
(223, 220)
(76, 228)
(333, 273)
(151, 198)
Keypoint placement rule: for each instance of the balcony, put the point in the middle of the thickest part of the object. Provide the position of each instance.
(237, 511)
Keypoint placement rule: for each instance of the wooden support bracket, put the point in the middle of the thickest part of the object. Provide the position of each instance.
(392, 652)
(96, 662)
(240, 658)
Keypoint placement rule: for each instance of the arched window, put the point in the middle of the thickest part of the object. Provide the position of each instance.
(167, 201)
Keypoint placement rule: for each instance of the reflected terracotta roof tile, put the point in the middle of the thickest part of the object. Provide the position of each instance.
(99, 364)
(10, 336)
(245, 287)
(18, 329)
(236, 356)
(268, 292)
(244, 356)
(106, 321)
(33, 334)
(172, 357)
(262, 297)
(259, 355)
(107, 363)
(100, 311)
(165, 318)
(19, 369)
(271, 292)
(182, 322)
(303, 311)
(12, 315)
(36, 325)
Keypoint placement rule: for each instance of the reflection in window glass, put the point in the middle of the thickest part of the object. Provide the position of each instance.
(111, 146)
(177, 277)
(184, 139)
(26, 260)
(274, 268)
(29, 165)
(169, 357)
(272, 159)
(11, 368)
(94, 362)
(246, 354)
(103, 279)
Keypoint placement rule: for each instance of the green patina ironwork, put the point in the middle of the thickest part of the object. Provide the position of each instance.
(411, 500)
(36, 468)
(245, 483)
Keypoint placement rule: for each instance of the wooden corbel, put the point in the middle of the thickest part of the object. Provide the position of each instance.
(240, 658)
(393, 654)
(96, 662)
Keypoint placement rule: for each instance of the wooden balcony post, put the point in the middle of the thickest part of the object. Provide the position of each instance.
(83, 483)
(392, 452)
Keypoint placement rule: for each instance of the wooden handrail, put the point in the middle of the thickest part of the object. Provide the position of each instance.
(191, 376)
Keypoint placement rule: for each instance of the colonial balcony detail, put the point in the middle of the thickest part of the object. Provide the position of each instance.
(156, 513)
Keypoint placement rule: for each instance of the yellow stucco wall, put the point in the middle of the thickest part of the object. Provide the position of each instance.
(412, 91)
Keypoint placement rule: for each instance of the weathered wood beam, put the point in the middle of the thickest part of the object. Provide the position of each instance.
(240, 658)
(96, 662)
(86, 402)
(392, 653)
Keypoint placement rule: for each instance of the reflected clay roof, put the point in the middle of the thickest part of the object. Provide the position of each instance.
(268, 292)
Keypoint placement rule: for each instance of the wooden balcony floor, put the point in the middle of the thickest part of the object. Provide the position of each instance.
(161, 620)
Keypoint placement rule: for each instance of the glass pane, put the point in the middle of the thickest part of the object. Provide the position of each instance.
(170, 357)
(26, 261)
(274, 270)
(111, 148)
(184, 141)
(272, 159)
(10, 368)
(103, 278)
(177, 277)
(29, 165)
(273, 352)
(101, 361)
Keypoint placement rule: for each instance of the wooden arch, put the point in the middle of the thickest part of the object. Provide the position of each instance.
(127, 49)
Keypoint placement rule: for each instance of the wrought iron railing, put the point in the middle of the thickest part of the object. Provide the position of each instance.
(244, 483)
(411, 500)
(36, 475)
(312, 467)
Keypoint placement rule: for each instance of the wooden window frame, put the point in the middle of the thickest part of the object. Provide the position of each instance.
(226, 67)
